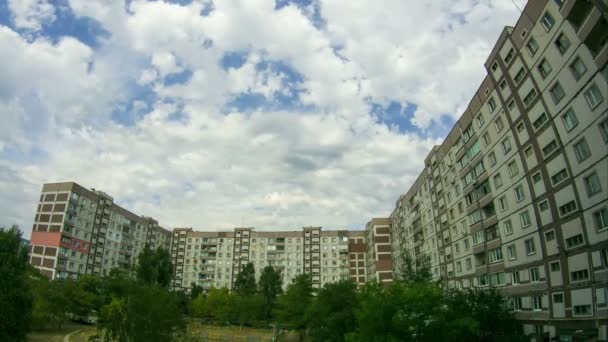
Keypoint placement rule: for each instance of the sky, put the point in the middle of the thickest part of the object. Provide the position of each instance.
(214, 114)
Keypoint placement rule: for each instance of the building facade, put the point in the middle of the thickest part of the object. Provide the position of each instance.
(517, 194)
(79, 231)
(214, 259)
(379, 259)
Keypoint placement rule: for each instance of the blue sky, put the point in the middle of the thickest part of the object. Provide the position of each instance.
(287, 113)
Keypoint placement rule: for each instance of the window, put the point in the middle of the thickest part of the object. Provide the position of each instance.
(509, 56)
(562, 43)
(529, 151)
(579, 275)
(578, 68)
(537, 177)
(497, 181)
(495, 255)
(507, 227)
(600, 217)
(537, 303)
(458, 266)
(559, 177)
(515, 280)
(544, 68)
(494, 66)
(486, 139)
(543, 206)
(520, 195)
(525, 220)
(468, 264)
(519, 76)
(491, 105)
(548, 21)
(593, 96)
(569, 119)
(497, 278)
(478, 238)
(540, 121)
(604, 130)
(520, 127)
(592, 184)
(482, 280)
(550, 148)
(479, 120)
(582, 310)
(492, 158)
(534, 273)
(557, 92)
(550, 235)
(574, 241)
(506, 145)
(512, 252)
(581, 150)
(530, 97)
(502, 203)
(567, 208)
(513, 169)
(532, 46)
(498, 124)
(503, 85)
(511, 106)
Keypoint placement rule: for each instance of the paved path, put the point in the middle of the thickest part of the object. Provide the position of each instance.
(66, 338)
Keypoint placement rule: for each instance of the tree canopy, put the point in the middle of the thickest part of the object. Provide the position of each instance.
(245, 281)
(270, 285)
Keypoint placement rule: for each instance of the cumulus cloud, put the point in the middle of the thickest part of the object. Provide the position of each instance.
(149, 115)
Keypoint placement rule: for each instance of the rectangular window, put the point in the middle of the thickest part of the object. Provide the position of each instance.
(503, 85)
(512, 252)
(506, 145)
(520, 195)
(528, 99)
(550, 235)
(567, 208)
(497, 278)
(579, 275)
(569, 119)
(559, 177)
(498, 124)
(578, 68)
(468, 263)
(562, 43)
(537, 303)
(492, 159)
(559, 3)
(513, 169)
(554, 266)
(604, 130)
(557, 92)
(548, 21)
(574, 241)
(502, 203)
(600, 217)
(528, 151)
(515, 278)
(537, 177)
(540, 121)
(582, 310)
(592, 184)
(532, 46)
(525, 220)
(593, 96)
(479, 120)
(494, 66)
(550, 148)
(491, 104)
(581, 150)
(495, 255)
(543, 206)
(497, 181)
(519, 76)
(486, 139)
(507, 227)
(534, 273)
(509, 56)
(544, 68)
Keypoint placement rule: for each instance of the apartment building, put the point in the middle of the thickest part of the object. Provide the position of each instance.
(517, 194)
(214, 259)
(379, 258)
(79, 231)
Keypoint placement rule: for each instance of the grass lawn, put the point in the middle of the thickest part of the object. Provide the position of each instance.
(57, 335)
(238, 334)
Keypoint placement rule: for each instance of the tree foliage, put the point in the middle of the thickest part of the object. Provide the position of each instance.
(415, 270)
(293, 304)
(154, 267)
(245, 285)
(15, 294)
(270, 285)
(331, 315)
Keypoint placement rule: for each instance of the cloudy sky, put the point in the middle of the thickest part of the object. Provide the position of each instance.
(203, 113)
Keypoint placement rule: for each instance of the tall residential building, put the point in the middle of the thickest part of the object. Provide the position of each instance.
(379, 259)
(214, 259)
(517, 194)
(79, 231)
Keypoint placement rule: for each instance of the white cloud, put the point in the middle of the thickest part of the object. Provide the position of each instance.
(183, 159)
(31, 14)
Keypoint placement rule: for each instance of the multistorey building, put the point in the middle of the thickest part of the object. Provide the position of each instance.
(214, 259)
(517, 195)
(379, 259)
(79, 231)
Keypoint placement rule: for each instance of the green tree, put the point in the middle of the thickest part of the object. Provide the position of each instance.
(415, 270)
(270, 285)
(154, 267)
(244, 284)
(218, 305)
(332, 313)
(15, 296)
(293, 304)
(51, 303)
(248, 308)
(195, 290)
